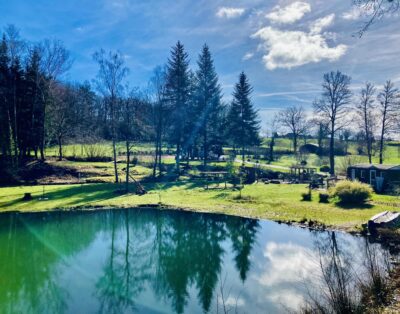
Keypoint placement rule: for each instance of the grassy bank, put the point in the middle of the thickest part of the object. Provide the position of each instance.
(275, 202)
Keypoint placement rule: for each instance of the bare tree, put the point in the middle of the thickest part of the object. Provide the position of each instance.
(294, 118)
(388, 100)
(16, 44)
(158, 87)
(55, 60)
(365, 113)
(375, 10)
(112, 72)
(60, 114)
(333, 107)
(273, 127)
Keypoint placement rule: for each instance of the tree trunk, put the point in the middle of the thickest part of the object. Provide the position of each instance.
(115, 159)
(332, 152)
(128, 155)
(383, 131)
(294, 143)
(178, 157)
(60, 154)
(271, 150)
(205, 149)
(243, 154)
(381, 147)
(155, 157)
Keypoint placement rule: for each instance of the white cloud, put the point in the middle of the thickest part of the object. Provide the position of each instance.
(318, 25)
(289, 14)
(227, 12)
(248, 56)
(353, 14)
(288, 49)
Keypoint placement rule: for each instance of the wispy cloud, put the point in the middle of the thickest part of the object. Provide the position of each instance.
(289, 14)
(248, 56)
(229, 12)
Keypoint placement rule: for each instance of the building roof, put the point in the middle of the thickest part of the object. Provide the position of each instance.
(376, 166)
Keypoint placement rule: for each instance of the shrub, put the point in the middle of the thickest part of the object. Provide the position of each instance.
(323, 198)
(324, 168)
(352, 192)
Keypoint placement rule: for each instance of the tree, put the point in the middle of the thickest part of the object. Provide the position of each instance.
(294, 118)
(273, 130)
(243, 123)
(333, 107)
(388, 100)
(60, 115)
(178, 96)
(112, 72)
(208, 102)
(365, 113)
(159, 113)
(5, 127)
(374, 10)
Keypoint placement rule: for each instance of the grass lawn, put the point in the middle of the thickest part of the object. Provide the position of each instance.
(275, 202)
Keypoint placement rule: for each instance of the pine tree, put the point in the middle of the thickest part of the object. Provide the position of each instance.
(243, 124)
(178, 95)
(208, 102)
(4, 97)
(34, 104)
(16, 75)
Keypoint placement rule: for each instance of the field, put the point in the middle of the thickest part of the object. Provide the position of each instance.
(74, 183)
(276, 202)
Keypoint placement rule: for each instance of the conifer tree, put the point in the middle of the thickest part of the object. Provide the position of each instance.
(4, 96)
(178, 96)
(208, 102)
(243, 124)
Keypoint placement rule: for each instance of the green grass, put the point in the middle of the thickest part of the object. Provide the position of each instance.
(276, 202)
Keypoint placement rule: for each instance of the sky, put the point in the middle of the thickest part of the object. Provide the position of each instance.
(284, 47)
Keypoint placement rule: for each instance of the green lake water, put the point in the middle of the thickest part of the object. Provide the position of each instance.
(149, 261)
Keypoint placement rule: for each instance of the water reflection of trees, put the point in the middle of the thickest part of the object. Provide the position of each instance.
(354, 276)
(171, 252)
(166, 253)
(30, 250)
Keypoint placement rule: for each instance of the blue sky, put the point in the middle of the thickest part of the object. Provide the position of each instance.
(283, 46)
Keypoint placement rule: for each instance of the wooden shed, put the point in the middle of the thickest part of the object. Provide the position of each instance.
(378, 176)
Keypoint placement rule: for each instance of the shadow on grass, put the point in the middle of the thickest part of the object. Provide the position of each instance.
(73, 195)
(353, 206)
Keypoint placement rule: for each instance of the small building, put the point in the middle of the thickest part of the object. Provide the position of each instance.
(378, 176)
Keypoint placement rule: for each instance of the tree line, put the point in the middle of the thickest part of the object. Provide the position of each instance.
(371, 116)
(181, 107)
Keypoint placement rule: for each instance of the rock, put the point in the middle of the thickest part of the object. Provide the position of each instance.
(385, 219)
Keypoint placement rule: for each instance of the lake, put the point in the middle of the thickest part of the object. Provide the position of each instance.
(150, 261)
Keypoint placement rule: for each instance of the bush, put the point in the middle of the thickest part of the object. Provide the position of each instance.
(325, 168)
(323, 198)
(352, 192)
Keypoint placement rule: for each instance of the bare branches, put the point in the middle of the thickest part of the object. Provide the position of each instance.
(365, 113)
(55, 58)
(333, 106)
(294, 118)
(374, 10)
(388, 100)
(112, 72)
